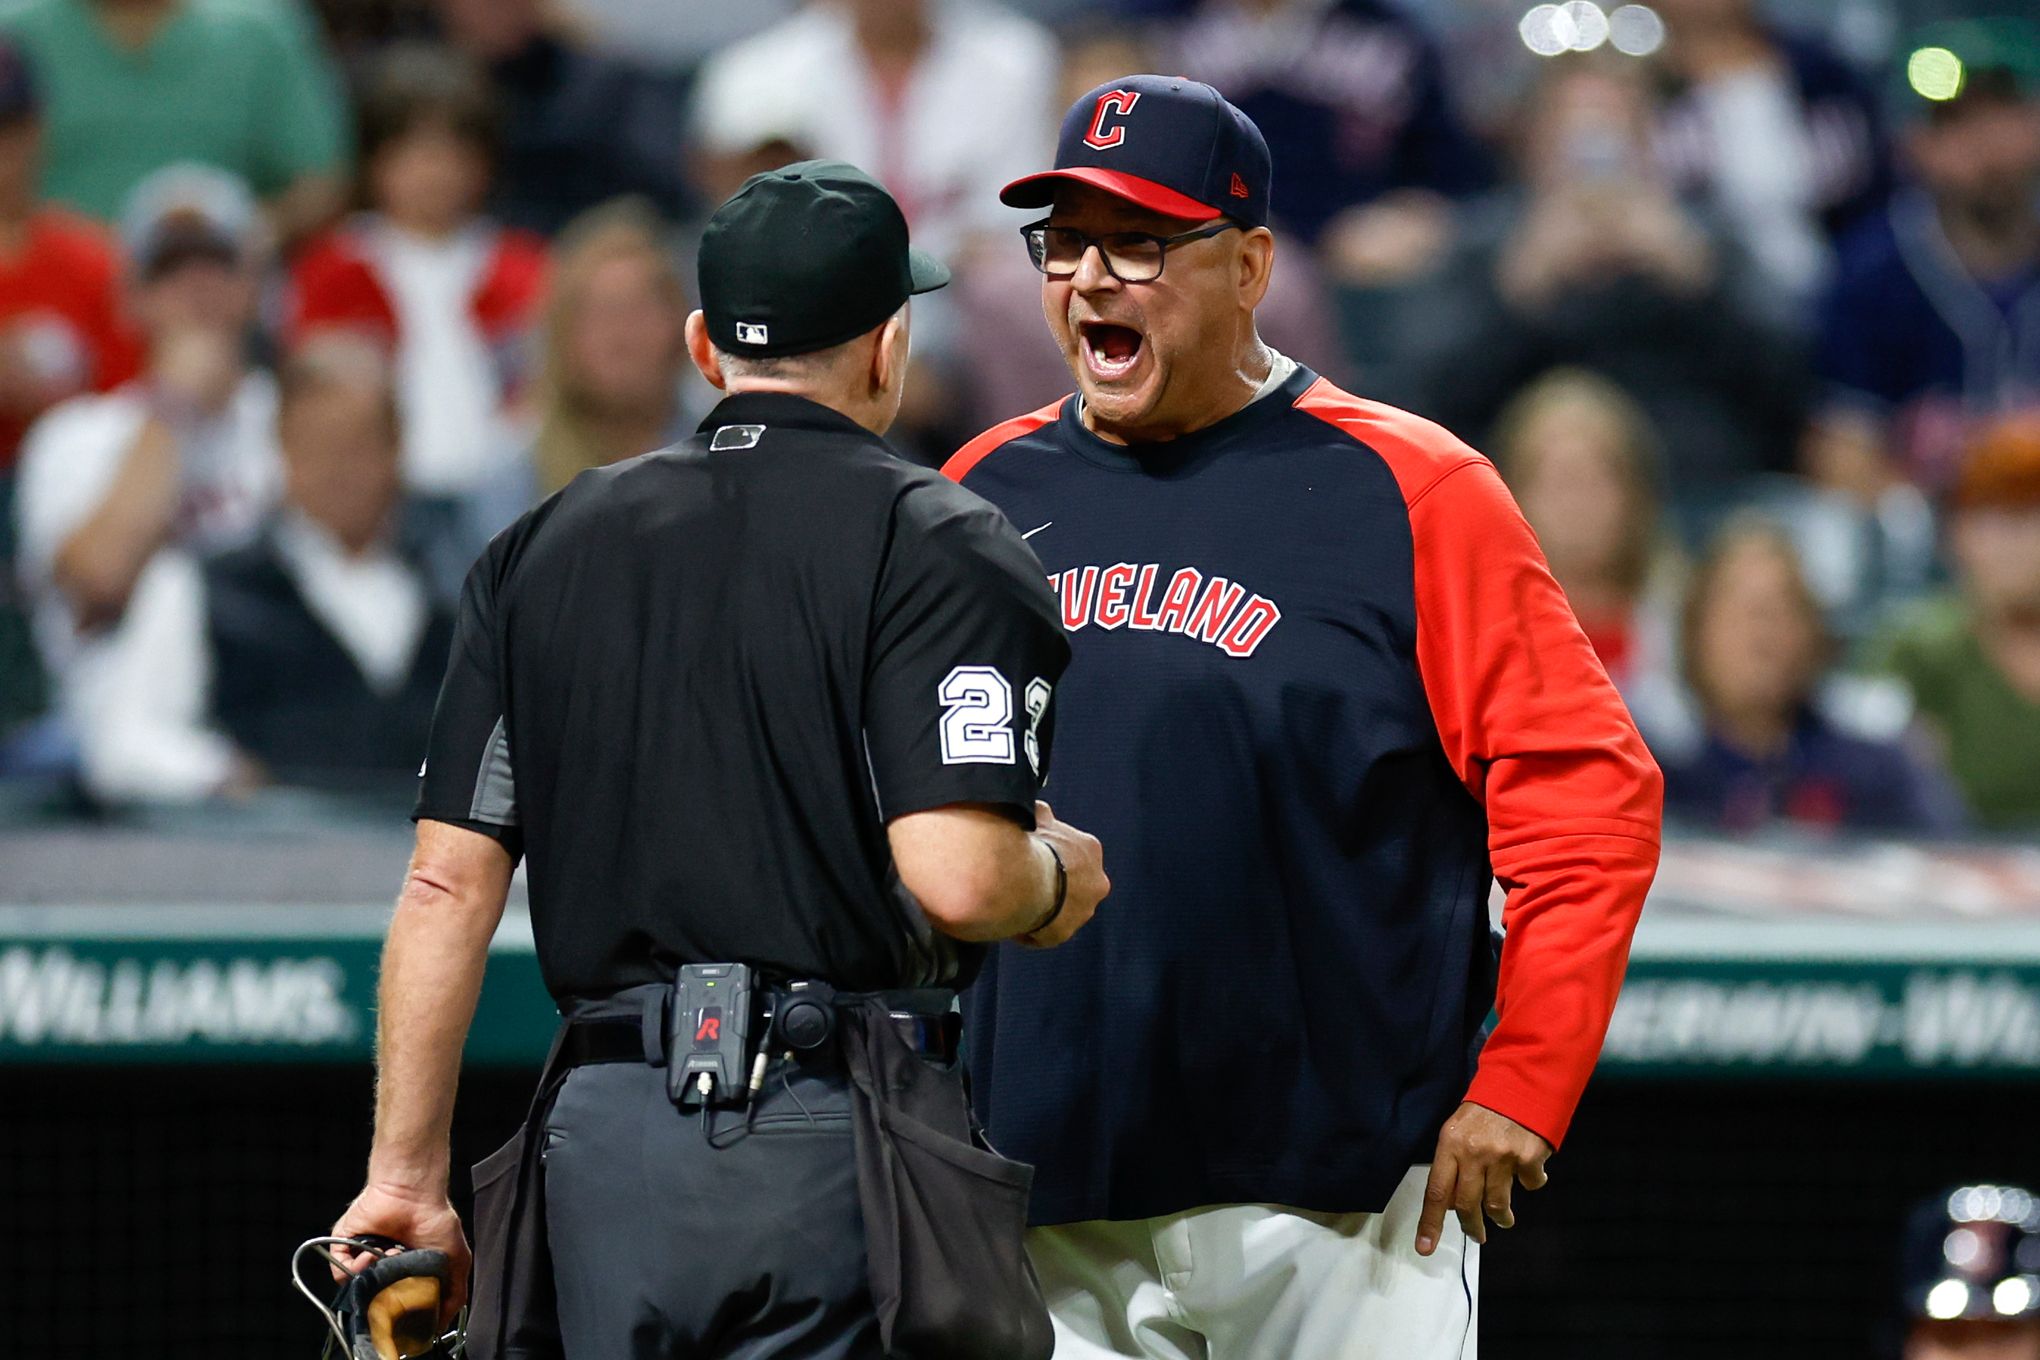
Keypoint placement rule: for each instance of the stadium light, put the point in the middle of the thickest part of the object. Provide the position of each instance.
(1947, 1300)
(1546, 30)
(1934, 73)
(1636, 30)
(1590, 24)
(1582, 25)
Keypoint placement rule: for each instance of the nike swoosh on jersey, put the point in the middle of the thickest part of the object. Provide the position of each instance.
(1032, 532)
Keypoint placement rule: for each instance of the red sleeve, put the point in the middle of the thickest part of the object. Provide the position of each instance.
(1535, 730)
(117, 349)
(332, 285)
(507, 298)
(118, 352)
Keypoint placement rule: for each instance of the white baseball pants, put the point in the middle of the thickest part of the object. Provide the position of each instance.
(1261, 1282)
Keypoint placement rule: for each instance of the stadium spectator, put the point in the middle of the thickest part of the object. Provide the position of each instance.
(653, 31)
(615, 347)
(612, 357)
(135, 85)
(357, 29)
(422, 269)
(1776, 133)
(1353, 96)
(1595, 264)
(185, 454)
(1754, 646)
(943, 100)
(310, 656)
(60, 326)
(1934, 319)
(1972, 661)
(579, 128)
(1581, 459)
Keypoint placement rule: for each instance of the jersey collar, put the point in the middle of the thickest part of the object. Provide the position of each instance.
(1176, 455)
(785, 410)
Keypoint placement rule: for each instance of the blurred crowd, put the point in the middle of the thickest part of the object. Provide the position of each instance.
(300, 303)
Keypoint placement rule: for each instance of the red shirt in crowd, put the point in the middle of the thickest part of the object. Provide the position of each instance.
(61, 330)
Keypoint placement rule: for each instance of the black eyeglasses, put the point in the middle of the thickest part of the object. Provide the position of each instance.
(1130, 256)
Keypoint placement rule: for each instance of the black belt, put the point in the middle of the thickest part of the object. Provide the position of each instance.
(615, 1039)
(603, 1041)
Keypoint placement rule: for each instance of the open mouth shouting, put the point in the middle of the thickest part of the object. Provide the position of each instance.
(1110, 349)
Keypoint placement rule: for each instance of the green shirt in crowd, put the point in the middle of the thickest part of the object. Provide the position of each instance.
(222, 81)
(1993, 732)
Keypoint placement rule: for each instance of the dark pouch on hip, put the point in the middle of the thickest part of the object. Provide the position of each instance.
(945, 1220)
(513, 1313)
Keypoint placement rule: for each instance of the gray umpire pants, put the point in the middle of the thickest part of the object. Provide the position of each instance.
(732, 1238)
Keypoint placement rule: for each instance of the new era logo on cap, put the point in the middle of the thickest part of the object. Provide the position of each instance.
(751, 333)
(1170, 144)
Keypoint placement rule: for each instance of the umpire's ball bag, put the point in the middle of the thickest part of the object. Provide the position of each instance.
(945, 1219)
(513, 1313)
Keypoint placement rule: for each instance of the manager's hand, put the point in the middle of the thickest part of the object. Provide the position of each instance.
(1481, 1157)
(416, 1221)
(1083, 864)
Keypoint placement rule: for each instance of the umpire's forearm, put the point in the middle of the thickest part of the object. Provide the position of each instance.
(432, 969)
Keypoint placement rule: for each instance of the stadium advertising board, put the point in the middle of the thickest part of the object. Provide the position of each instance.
(135, 984)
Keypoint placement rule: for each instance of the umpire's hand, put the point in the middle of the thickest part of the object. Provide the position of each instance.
(422, 1220)
(1481, 1157)
(1084, 863)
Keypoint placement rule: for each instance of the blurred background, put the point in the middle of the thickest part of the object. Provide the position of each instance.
(301, 302)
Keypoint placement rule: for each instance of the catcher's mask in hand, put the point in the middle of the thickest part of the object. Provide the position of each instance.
(388, 1310)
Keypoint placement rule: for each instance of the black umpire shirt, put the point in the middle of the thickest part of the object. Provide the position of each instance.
(691, 688)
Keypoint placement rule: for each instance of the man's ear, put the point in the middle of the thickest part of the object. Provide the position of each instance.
(703, 353)
(1257, 265)
(889, 358)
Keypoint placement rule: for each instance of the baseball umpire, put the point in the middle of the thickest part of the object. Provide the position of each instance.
(765, 713)
(1324, 691)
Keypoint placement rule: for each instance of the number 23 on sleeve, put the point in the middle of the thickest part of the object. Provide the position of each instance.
(976, 728)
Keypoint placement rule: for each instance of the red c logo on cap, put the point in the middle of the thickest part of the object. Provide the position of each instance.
(1120, 102)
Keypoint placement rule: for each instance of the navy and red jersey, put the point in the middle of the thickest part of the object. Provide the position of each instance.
(1323, 691)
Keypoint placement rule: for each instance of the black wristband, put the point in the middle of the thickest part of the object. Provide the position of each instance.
(1062, 890)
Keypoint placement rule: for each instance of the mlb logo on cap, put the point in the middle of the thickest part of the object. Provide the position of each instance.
(1169, 144)
(751, 333)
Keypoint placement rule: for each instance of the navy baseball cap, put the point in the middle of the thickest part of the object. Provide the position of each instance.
(1168, 143)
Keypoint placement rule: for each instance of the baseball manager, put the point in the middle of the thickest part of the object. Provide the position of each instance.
(1324, 692)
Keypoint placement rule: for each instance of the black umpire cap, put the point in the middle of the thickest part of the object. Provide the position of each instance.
(804, 257)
